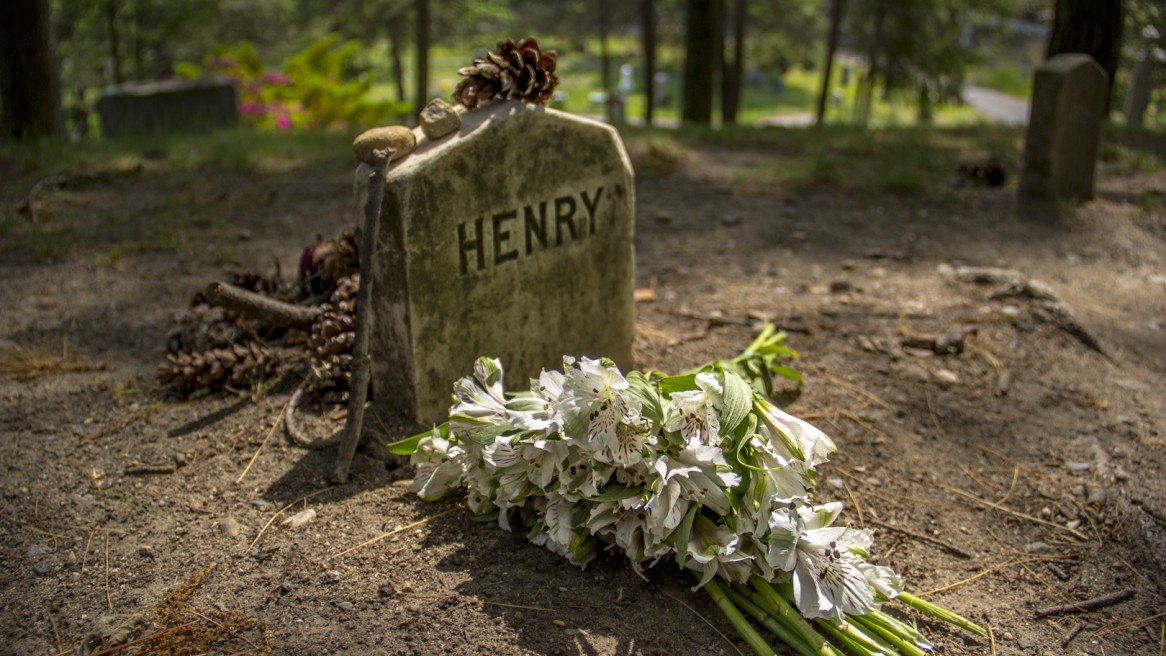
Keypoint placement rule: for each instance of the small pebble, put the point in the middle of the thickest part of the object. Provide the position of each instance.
(146, 551)
(42, 568)
(396, 137)
(302, 518)
(230, 526)
(407, 587)
(333, 575)
(286, 587)
(1008, 637)
(1077, 467)
(1097, 496)
(38, 550)
(346, 606)
(438, 119)
(559, 623)
(946, 377)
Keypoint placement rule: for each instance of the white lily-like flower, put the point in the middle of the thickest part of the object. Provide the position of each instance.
(792, 437)
(697, 474)
(594, 395)
(479, 400)
(439, 467)
(694, 413)
(826, 578)
(581, 477)
(713, 549)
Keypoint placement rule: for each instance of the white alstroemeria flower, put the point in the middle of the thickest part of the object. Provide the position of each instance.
(479, 401)
(439, 466)
(543, 459)
(793, 437)
(885, 582)
(581, 477)
(713, 549)
(594, 395)
(694, 413)
(548, 386)
(503, 454)
(826, 578)
(776, 480)
(627, 449)
(627, 525)
(698, 473)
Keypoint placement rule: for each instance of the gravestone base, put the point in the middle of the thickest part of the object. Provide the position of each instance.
(510, 238)
(1064, 129)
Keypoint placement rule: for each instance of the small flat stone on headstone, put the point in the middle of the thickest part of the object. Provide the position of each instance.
(397, 137)
(438, 119)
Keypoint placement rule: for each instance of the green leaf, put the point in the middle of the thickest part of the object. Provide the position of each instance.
(407, 446)
(674, 384)
(486, 435)
(682, 533)
(785, 372)
(645, 391)
(617, 493)
(738, 401)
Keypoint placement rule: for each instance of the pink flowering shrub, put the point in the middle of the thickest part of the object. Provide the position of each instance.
(319, 88)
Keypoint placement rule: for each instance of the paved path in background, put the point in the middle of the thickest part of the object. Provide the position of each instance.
(999, 107)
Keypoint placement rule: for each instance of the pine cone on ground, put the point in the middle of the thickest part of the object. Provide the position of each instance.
(333, 335)
(238, 365)
(204, 327)
(515, 71)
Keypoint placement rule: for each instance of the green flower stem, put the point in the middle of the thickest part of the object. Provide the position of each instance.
(846, 640)
(855, 634)
(744, 629)
(780, 609)
(783, 633)
(901, 642)
(898, 627)
(944, 614)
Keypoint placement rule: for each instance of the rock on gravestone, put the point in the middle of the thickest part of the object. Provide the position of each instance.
(510, 238)
(1064, 128)
(139, 110)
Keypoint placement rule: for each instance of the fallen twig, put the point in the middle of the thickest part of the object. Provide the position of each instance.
(925, 538)
(146, 470)
(1070, 635)
(274, 425)
(382, 536)
(297, 436)
(358, 385)
(262, 308)
(1013, 513)
(108, 599)
(280, 512)
(1087, 605)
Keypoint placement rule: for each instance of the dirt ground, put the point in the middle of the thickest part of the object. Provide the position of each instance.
(1024, 472)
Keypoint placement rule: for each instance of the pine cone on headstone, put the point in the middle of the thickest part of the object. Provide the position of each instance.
(238, 365)
(515, 71)
(333, 335)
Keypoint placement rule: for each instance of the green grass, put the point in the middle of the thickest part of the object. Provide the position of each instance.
(1005, 79)
(907, 160)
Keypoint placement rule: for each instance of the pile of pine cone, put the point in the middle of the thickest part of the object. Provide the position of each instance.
(229, 346)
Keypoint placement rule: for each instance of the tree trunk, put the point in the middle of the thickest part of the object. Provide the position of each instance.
(1138, 96)
(1092, 27)
(731, 73)
(398, 72)
(605, 62)
(114, 41)
(831, 48)
(30, 97)
(648, 32)
(699, 62)
(422, 55)
(866, 89)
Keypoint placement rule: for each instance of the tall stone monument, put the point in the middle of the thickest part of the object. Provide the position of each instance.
(1064, 129)
(510, 238)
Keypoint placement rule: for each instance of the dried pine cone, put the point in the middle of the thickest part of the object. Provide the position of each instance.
(333, 334)
(204, 327)
(515, 71)
(238, 365)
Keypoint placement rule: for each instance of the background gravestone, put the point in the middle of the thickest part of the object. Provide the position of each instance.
(140, 110)
(511, 238)
(1064, 128)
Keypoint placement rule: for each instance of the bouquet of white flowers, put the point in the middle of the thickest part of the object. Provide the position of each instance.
(701, 468)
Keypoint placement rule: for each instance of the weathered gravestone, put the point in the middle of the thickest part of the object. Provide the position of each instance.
(140, 110)
(1064, 128)
(510, 238)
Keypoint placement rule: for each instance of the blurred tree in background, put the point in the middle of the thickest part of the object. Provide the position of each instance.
(659, 60)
